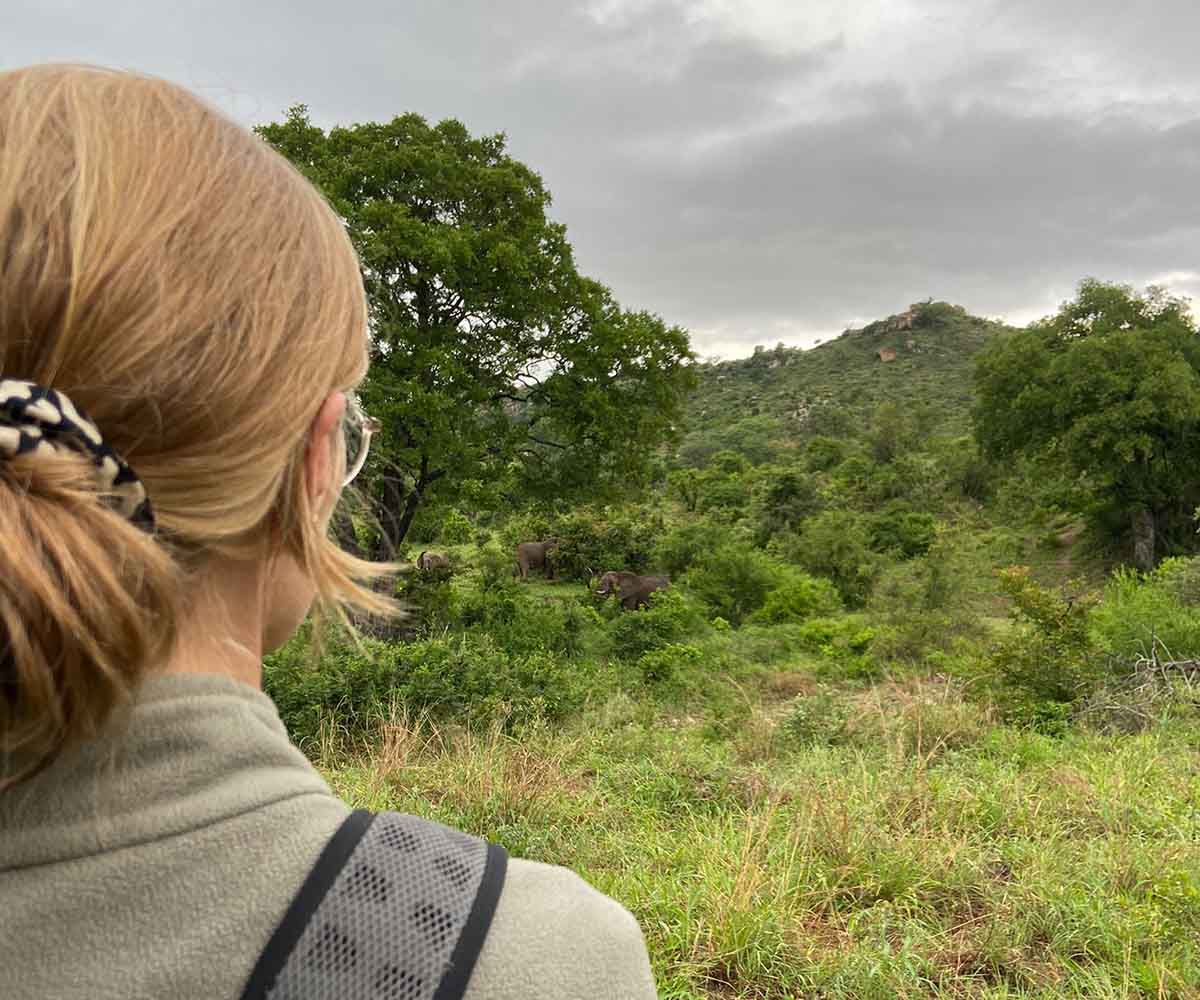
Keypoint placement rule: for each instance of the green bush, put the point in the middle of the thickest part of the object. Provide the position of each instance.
(349, 688)
(465, 678)
(845, 646)
(823, 453)
(906, 533)
(669, 618)
(753, 437)
(968, 473)
(854, 475)
(1050, 661)
(835, 636)
(783, 498)
(728, 463)
(671, 662)
(497, 566)
(797, 598)
(818, 719)
(734, 580)
(687, 543)
(528, 526)
(836, 545)
(428, 600)
(592, 542)
(921, 479)
(893, 432)
(927, 605)
(1141, 615)
(520, 624)
(726, 496)
(456, 529)
(1180, 576)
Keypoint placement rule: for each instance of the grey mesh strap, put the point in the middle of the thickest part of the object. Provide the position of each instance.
(396, 908)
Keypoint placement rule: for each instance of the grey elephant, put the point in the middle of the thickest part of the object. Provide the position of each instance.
(633, 590)
(433, 562)
(537, 555)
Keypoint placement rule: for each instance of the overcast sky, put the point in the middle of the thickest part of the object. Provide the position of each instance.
(760, 170)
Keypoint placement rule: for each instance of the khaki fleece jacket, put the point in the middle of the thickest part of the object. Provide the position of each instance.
(155, 864)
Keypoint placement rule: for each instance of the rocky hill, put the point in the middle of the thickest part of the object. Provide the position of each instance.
(922, 357)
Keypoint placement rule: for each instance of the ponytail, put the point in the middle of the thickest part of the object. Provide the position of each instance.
(88, 602)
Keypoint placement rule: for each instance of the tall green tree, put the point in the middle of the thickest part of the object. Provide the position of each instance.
(493, 360)
(1109, 389)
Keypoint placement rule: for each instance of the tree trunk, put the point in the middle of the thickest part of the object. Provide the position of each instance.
(411, 503)
(1143, 539)
(400, 508)
(390, 536)
(343, 531)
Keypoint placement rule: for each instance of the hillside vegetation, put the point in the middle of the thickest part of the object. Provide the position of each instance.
(931, 346)
(900, 726)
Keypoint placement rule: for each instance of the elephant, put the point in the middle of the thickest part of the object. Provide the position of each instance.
(432, 562)
(537, 555)
(633, 590)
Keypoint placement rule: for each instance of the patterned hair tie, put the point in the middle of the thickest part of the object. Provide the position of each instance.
(36, 420)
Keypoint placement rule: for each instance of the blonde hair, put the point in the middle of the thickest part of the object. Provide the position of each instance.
(190, 291)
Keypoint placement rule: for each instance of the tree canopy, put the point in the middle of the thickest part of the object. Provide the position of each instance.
(495, 363)
(1109, 388)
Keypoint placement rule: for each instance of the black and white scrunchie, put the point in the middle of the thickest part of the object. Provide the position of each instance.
(37, 420)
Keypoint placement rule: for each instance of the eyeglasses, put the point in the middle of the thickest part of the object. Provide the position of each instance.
(358, 428)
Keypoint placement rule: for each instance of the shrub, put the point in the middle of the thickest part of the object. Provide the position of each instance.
(519, 623)
(967, 472)
(658, 666)
(845, 646)
(497, 567)
(734, 580)
(836, 545)
(921, 479)
(528, 526)
(592, 542)
(753, 437)
(1180, 577)
(725, 494)
(818, 719)
(784, 497)
(728, 462)
(1138, 611)
(456, 529)
(892, 432)
(855, 473)
(427, 597)
(1038, 671)
(685, 544)
(669, 618)
(798, 597)
(465, 678)
(823, 453)
(907, 533)
(349, 687)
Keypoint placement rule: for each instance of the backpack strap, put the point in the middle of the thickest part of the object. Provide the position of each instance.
(396, 908)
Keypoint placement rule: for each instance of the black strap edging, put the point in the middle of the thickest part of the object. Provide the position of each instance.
(470, 942)
(335, 855)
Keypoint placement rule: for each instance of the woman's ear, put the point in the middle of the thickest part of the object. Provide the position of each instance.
(323, 454)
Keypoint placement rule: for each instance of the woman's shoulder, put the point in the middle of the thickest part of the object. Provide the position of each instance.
(554, 935)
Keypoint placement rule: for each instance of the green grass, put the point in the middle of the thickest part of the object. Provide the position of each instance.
(914, 849)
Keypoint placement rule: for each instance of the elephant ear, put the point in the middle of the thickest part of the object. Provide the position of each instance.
(628, 587)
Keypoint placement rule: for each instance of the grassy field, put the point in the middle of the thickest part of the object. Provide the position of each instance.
(801, 837)
(827, 805)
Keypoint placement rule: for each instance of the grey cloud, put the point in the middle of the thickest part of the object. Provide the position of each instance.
(741, 188)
